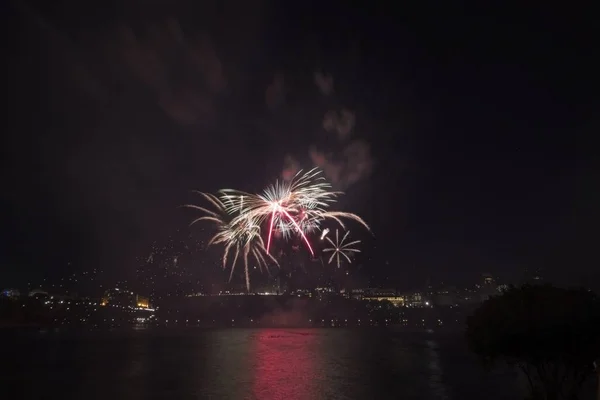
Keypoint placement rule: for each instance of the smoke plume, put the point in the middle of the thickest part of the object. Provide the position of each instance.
(345, 159)
(182, 73)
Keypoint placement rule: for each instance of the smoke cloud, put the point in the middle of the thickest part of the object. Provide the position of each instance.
(346, 168)
(182, 73)
(342, 123)
(347, 159)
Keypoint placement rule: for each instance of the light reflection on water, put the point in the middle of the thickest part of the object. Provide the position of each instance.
(436, 383)
(285, 357)
(265, 364)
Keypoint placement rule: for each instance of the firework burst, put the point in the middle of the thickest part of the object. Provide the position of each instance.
(295, 207)
(341, 248)
(239, 234)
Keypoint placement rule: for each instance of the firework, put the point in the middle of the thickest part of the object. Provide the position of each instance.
(340, 248)
(239, 234)
(295, 207)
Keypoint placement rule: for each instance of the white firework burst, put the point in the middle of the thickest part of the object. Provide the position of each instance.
(341, 248)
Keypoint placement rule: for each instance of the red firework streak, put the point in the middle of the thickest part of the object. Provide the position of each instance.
(277, 208)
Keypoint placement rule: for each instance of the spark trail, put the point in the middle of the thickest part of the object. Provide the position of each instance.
(240, 236)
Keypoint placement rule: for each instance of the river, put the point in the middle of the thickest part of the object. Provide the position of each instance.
(260, 364)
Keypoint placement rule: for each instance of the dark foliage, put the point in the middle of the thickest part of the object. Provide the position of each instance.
(551, 334)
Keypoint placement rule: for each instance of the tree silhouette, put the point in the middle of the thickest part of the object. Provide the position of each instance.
(551, 334)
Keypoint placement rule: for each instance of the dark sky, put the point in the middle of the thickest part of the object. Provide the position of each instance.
(479, 125)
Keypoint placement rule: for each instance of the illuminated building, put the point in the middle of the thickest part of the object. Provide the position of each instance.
(488, 279)
(397, 301)
(124, 298)
(142, 302)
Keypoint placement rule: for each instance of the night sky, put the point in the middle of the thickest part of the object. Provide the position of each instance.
(476, 127)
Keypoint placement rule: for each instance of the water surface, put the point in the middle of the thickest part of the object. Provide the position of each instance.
(248, 364)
